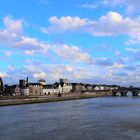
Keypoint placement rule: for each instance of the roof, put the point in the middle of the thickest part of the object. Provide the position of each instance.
(34, 84)
(41, 80)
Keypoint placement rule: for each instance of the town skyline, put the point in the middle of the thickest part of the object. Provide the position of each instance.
(83, 41)
(41, 87)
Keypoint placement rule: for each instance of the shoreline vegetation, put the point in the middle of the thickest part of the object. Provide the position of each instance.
(18, 100)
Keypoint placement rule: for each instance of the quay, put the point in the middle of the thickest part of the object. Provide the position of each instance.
(17, 100)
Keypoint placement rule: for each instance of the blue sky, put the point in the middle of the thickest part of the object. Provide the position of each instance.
(92, 41)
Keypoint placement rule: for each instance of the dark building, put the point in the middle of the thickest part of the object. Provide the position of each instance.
(7, 90)
(63, 82)
(23, 83)
(1, 86)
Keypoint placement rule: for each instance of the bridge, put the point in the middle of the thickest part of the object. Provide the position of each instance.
(124, 91)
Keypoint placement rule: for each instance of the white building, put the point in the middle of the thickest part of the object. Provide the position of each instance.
(51, 91)
(97, 88)
(25, 91)
(59, 89)
(67, 88)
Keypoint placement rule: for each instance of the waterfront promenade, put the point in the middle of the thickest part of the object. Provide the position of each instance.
(13, 100)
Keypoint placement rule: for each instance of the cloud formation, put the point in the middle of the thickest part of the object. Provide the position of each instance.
(64, 24)
(12, 31)
(12, 36)
(40, 75)
(77, 64)
(111, 24)
(72, 53)
(134, 53)
(3, 75)
(131, 5)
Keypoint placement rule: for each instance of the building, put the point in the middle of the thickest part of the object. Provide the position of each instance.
(63, 82)
(42, 88)
(22, 83)
(57, 88)
(25, 91)
(89, 87)
(35, 89)
(42, 82)
(15, 90)
(7, 90)
(1, 86)
(52, 89)
(67, 88)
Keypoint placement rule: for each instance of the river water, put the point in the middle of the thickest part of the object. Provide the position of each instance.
(105, 118)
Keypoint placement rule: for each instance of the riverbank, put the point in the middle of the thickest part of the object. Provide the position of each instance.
(5, 101)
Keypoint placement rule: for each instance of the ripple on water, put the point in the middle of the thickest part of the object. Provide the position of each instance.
(107, 118)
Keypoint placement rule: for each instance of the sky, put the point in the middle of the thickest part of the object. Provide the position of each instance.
(90, 41)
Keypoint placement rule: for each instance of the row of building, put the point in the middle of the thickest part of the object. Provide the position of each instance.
(42, 88)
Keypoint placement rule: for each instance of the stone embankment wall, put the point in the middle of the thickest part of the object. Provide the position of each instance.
(41, 99)
(98, 93)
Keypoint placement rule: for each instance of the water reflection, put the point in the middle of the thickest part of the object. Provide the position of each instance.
(129, 94)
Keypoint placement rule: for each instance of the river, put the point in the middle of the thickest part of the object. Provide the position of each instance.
(105, 118)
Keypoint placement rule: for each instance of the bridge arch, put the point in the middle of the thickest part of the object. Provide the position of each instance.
(126, 92)
(129, 93)
(138, 93)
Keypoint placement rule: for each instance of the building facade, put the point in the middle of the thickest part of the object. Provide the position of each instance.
(1, 86)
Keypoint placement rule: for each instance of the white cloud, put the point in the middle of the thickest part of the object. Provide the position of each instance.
(40, 75)
(132, 50)
(134, 53)
(117, 66)
(28, 52)
(3, 75)
(12, 31)
(12, 36)
(50, 72)
(31, 45)
(115, 74)
(13, 26)
(69, 68)
(111, 24)
(64, 23)
(112, 18)
(72, 53)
